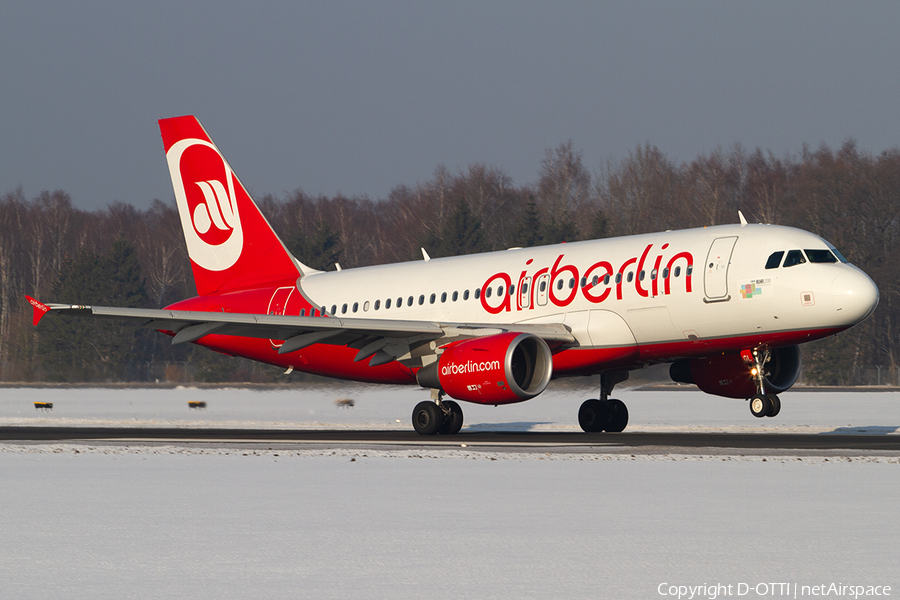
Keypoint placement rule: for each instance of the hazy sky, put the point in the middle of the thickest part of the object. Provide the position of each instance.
(358, 97)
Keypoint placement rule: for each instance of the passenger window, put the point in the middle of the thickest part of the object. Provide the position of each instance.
(478, 293)
(794, 257)
(431, 299)
(666, 273)
(366, 306)
(499, 290)
(443, 297)
(455, 296)
(409, 301)
(653, 274)
(302, 312)
(421, 299)
(377, 304)
(690, 269)
(583, 281)
(487, 292)
(606, 279)
(641, 275)
(559, 284)
(334, 309)
(355, 306)
(618, 278)
(774, 259)
(543, 286)
(572, 283)
(677, 271)
(466, 295)
(630, 277)
(820, 256)
(387, 304)
(512, 290)
(344, 309)
(399, 302)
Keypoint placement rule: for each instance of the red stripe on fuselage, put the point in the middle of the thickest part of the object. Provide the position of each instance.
(338, 361)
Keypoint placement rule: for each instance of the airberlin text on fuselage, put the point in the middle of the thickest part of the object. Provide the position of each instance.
(645, 286)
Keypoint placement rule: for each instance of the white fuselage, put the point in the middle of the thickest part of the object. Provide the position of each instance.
(661, 288)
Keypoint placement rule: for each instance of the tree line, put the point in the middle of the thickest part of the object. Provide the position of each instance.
(125, 256)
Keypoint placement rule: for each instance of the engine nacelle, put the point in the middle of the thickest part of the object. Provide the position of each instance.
(729, 375)
(495, 369)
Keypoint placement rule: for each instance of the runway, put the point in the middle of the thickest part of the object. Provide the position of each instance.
(690, 442)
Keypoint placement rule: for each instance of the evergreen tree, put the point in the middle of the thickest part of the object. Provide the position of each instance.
(80, 349)
(462, 233)
(559, 228)
(321, 250)
(528, 233)
(599, 226)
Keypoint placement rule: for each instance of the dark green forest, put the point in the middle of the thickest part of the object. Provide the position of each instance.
(124, 256)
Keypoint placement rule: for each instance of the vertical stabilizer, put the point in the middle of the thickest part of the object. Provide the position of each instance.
(230, 243)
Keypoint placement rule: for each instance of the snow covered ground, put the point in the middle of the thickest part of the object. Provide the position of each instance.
(92, 521)
(384, 407)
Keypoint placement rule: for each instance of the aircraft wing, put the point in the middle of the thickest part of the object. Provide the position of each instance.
(381, 340)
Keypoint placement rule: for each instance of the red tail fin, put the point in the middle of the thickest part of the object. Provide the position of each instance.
(230, 243)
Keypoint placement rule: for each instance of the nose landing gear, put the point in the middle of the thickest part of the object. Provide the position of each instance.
(762, 404)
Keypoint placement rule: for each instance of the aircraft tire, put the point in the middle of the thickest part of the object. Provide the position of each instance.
(427, 418)
(760, 405)
(774, 405)
(453, 421)
(594, 415)
(618, 419)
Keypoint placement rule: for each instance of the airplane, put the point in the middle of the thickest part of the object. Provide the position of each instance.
(726, 306)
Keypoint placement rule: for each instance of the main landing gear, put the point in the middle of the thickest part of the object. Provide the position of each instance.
(437, 416)
(762, 404)
(605, 414)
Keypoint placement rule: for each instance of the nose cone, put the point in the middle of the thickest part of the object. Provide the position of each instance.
(855, 296)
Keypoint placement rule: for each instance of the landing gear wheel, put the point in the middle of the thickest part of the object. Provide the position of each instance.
(618, 419)
(774, 405)
(760, 405)
(594, 415)
(453, 420)
(427, 418)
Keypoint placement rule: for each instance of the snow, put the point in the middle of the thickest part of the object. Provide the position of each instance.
(389, 407)
(109, 521)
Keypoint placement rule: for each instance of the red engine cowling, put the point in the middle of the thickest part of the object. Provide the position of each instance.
(729, 375)
(496, 369)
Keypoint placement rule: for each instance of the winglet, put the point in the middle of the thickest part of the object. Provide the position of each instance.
(40, 309)
(741, 217)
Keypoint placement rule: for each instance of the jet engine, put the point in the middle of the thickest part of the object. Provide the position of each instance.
(495, 369)
(729, 375)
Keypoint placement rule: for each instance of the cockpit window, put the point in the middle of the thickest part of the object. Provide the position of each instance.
(774, 259)
(794, 257)
(840, 256)
(820, 256)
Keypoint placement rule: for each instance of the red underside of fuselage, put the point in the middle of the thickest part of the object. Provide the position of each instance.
(337, 361)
